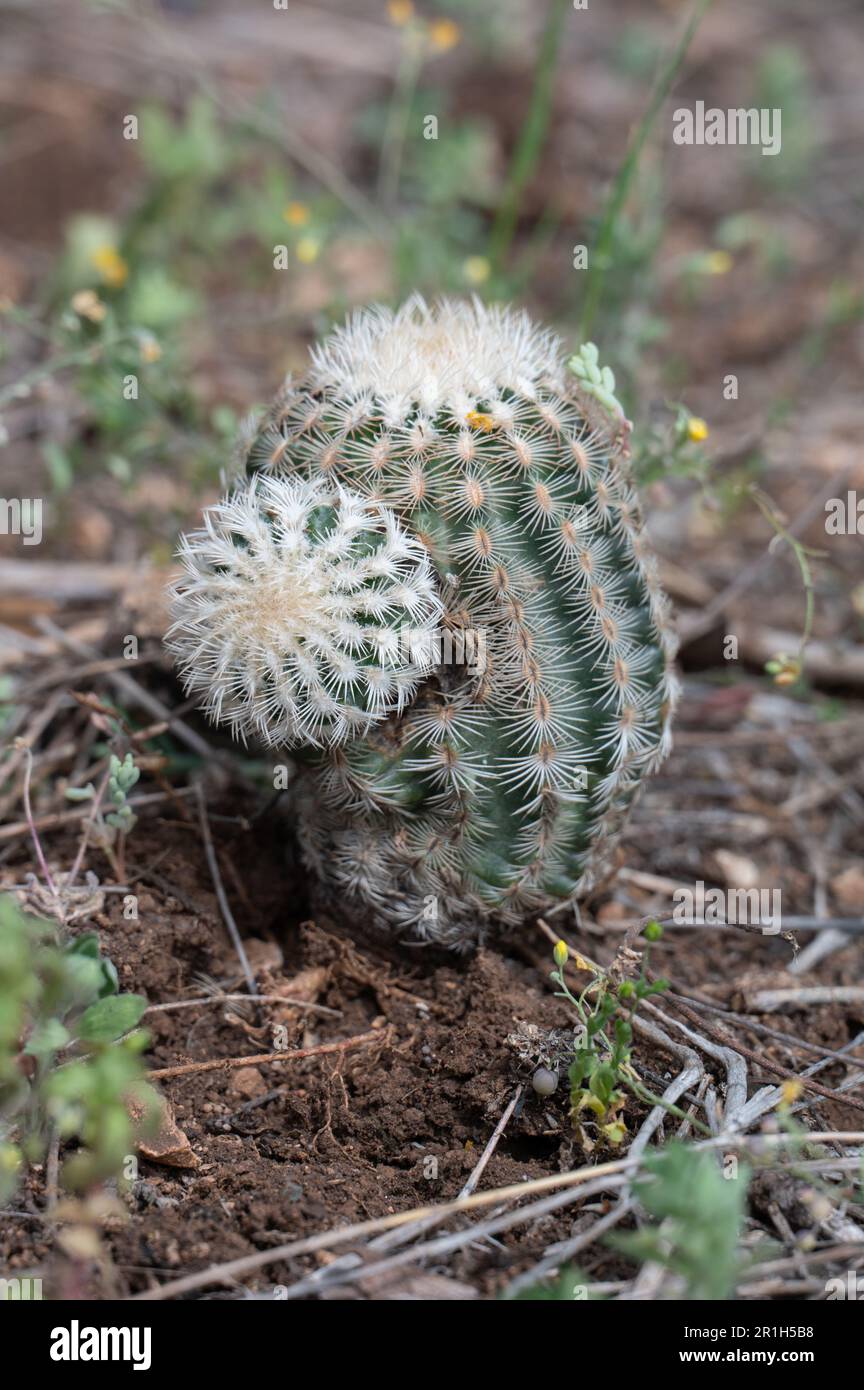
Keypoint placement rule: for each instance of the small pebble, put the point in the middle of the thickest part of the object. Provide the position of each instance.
(544, 1081)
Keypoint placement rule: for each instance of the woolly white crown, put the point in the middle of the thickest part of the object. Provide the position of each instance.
(448, 355)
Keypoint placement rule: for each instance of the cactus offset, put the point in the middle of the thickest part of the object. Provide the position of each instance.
(450, 793)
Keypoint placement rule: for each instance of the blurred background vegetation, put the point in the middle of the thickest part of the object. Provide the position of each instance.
(289, 161)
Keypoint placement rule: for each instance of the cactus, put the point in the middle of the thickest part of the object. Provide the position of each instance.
(433, 582)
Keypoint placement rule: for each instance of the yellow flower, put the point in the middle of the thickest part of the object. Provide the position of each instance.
(718, 262)
(88, 305)
(479, 421)
(307, 249)
(786, 670)
(111, 265)
(150, 349)
(560, 952)
(476, 269)
(296, 214)
(697, 430)
(790, 1090)
(444, 34)
(400, 11)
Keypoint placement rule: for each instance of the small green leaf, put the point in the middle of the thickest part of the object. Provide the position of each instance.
(80, 793)
(110, 980)
(59, 466)
(46, 1038)
(87, 944)
(111, 1017)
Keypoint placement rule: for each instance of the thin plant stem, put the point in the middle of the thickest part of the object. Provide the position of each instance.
(801, 553)
(88, 826)
(399, 115)
(28, 814)
(629, 1078)
(222, 897)
(600, 257)
(532, 135)
(80, 357)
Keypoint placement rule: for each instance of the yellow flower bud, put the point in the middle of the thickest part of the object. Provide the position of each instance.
(476, 270)
(400, 11)
(791, 1089)
(296, 214)
(444, 34)
(111, 265)
(307, 250)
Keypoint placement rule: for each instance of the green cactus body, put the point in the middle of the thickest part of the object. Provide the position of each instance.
(496, 787)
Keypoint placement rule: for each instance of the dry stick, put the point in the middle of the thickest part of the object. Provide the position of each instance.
(490, 1148)
(31, 825)
(764, 1062)
(259, 1059)
(723, 1050)
(85, 671)
(759, 738)
(810, 760)
(789, 1039)
(132, 691)
(826, 1256)
(819, 856)
(224, 905)
(244, 998)
(787, 1289)
(457, 1240)
(849, 1083)
(327, 1240)
(88, 826)
(791, 924)
(767, 1001)
(38, 724)
(59, 818)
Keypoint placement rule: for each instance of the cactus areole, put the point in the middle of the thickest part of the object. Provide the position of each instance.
(431, 587)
